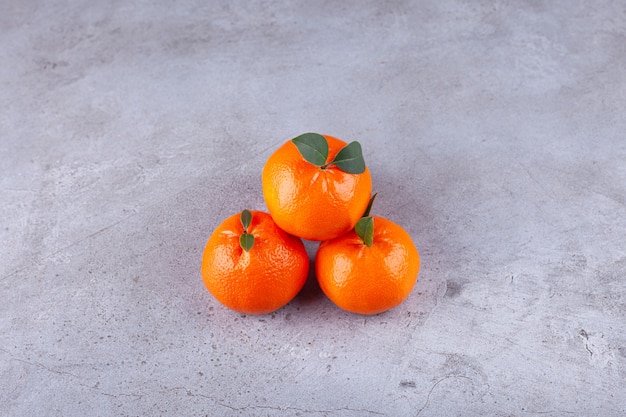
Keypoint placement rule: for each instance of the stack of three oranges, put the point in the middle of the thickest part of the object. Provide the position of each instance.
(316, 187)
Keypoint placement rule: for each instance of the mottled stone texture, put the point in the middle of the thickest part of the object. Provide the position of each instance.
(495, 133)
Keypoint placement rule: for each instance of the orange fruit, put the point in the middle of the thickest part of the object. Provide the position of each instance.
(252, 266)
(315, 201)
(368, 279)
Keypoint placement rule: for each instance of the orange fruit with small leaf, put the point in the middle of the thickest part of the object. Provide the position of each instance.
(252, 266)
(316, 186)
(369, 270)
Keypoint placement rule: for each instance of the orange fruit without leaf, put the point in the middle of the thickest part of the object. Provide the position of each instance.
(368, 279)
(252, 266)
(316, 186)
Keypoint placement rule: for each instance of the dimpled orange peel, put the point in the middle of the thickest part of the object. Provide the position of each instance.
(316, 186)
(252, 266)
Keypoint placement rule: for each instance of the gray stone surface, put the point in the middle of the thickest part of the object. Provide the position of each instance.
(495, 133)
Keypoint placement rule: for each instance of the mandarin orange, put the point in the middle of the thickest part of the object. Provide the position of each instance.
(316, 201)
(252, 266)
(368, 279)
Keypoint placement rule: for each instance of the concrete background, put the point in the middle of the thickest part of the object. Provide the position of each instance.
(495, 133)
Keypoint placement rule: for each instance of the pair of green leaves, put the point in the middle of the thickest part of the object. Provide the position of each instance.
(246, 240)
(365, 226)
(314, 149)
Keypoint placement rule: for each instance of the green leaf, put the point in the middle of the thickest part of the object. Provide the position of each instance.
(350, 158)
(246, 219)
(313, 147)
(365, 230)
(369, 206)
(246, 241)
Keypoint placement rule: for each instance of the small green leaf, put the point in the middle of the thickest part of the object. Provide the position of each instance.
(246, 219)
(369, 206)
(365, 230)
(246, 241)
(313, 148)
(350, 158)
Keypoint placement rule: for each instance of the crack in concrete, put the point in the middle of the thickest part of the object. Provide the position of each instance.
(58, 372)
(190, 393)
(438, 297)
(435, 386)
(38, 365)
(585, 336)
(273, 408)
(301, 410)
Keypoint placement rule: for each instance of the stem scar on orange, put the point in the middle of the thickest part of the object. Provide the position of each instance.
(252, 266)
(371, 269)
(316, 186)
